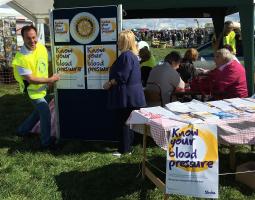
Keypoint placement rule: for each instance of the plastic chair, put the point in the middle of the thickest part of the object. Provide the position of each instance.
(153, 94)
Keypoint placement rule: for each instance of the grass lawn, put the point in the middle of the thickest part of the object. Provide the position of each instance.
(160, 54)
(84, 170)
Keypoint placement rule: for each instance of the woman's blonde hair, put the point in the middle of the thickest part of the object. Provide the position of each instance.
(191, 54)
(127, 41)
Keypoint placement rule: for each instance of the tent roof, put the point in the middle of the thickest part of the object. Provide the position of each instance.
(33, 9)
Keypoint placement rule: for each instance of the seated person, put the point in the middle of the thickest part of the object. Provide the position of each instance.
(147, 62)
(228, 47)
(187, 69)
(229, 78)
(166, 76)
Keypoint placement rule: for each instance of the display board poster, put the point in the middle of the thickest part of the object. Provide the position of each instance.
(192, 161)
(99, 59)
(61, 30)
(108, 29)
(69, 63)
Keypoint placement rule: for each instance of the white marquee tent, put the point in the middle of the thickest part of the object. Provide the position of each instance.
(35, 10)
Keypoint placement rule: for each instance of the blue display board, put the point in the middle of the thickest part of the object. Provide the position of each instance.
(84, 45)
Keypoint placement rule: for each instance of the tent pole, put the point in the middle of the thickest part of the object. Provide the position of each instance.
(218, 23)
(247, 21)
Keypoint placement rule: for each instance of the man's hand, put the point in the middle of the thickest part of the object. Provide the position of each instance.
(54, 78)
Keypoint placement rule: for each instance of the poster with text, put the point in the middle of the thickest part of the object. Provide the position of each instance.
(192, 161)
(61, 27)
(99, 59)
(69, 63)
(108, 29)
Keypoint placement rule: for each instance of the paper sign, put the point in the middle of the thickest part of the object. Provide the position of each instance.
(69, 63)
(192, 161)
(108, 29)
(99, 59)
(61, 29)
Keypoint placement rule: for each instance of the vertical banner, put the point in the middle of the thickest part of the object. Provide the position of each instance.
(99, 59)
(69, 63)
(192, 161)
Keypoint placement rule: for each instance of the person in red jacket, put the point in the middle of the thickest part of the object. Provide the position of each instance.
(229, 78)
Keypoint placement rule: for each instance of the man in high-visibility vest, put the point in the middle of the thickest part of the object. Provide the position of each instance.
(229, 35)
(31, 72)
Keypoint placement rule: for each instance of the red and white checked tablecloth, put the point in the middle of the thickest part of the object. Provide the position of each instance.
(230, 131)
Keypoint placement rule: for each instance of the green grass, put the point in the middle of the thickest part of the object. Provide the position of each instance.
(84, 170)
(160, 54)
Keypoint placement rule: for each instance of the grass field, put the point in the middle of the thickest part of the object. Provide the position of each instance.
(160, 54)
(84, 170)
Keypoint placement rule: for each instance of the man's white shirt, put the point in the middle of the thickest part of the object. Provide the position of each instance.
(21, 70)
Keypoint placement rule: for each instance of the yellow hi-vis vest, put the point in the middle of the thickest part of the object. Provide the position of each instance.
(230, 40)
(37, 62)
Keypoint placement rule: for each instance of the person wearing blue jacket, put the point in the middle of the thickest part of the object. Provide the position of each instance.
(125, 87)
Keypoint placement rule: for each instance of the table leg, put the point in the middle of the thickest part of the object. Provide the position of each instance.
(232, 157)
(146, 129)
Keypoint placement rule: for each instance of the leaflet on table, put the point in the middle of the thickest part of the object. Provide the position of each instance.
(226, 115)
(192, 161)
(204, 115)
(250, 99)
(240, 113)
(136, 117)
(178, 107)
(190, 119)
(157, 110)
(223, 105)
(198, 106)
(240, 103)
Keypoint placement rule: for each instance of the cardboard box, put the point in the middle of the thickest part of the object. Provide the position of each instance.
(247, 178)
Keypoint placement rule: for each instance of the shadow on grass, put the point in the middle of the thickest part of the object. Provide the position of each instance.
(108, 182)
(229, 180)
(13, 110)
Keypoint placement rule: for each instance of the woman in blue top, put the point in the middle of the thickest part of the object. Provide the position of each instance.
(125, 87)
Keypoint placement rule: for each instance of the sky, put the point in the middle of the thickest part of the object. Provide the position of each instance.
(173, 23)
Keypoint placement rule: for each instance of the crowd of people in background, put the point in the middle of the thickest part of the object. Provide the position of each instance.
(186, 38)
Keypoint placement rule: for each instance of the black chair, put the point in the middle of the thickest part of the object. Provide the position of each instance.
(153, 94)
(145, 72)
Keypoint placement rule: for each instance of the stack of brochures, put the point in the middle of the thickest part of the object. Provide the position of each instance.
(242, 104)
(205, 116)
(226, 115)
(222, 105)
(178, 107)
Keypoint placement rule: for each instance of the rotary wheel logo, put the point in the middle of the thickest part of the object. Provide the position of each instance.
(84, 28)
